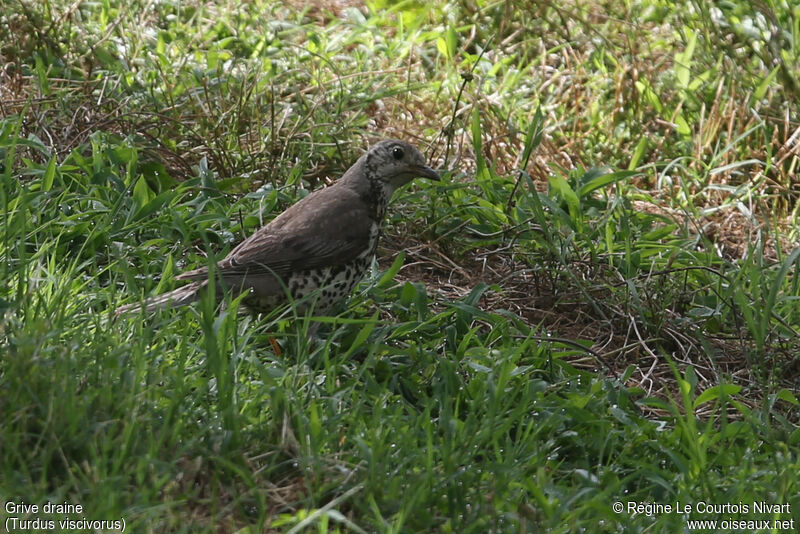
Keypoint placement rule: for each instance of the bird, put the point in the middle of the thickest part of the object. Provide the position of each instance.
(317, 250)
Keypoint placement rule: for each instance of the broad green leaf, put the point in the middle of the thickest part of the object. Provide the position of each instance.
(363, 334)
(762, 88)
(660, 233)
(547, 202)
(534, 136)
(392, 271)
(141, 193)
(482, 172)
(452, 40)
(683, 61)
(447, 43)
(682, 126)
(561, 186)
(787, 396)
(49, 174)
(476, 293)
(638, 152)
(717, 392)
(604, 180)
(155, 204)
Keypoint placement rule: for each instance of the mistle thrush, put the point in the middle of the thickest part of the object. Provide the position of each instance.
(319, 247)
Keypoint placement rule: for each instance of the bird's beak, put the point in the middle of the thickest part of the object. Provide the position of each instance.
(426, 172)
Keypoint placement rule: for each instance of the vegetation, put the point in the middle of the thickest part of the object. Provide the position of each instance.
(598, 304)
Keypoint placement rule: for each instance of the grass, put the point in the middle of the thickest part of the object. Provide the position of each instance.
(598, 304)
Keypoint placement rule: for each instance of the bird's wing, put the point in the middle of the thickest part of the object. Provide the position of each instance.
(327, 228)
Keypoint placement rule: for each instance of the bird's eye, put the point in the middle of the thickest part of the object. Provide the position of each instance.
(397, 153)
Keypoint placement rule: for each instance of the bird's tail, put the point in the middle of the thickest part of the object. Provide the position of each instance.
(177, 297)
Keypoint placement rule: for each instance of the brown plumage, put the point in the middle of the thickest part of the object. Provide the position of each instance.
(319, 247)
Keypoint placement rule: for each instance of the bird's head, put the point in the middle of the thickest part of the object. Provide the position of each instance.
(392, 163)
